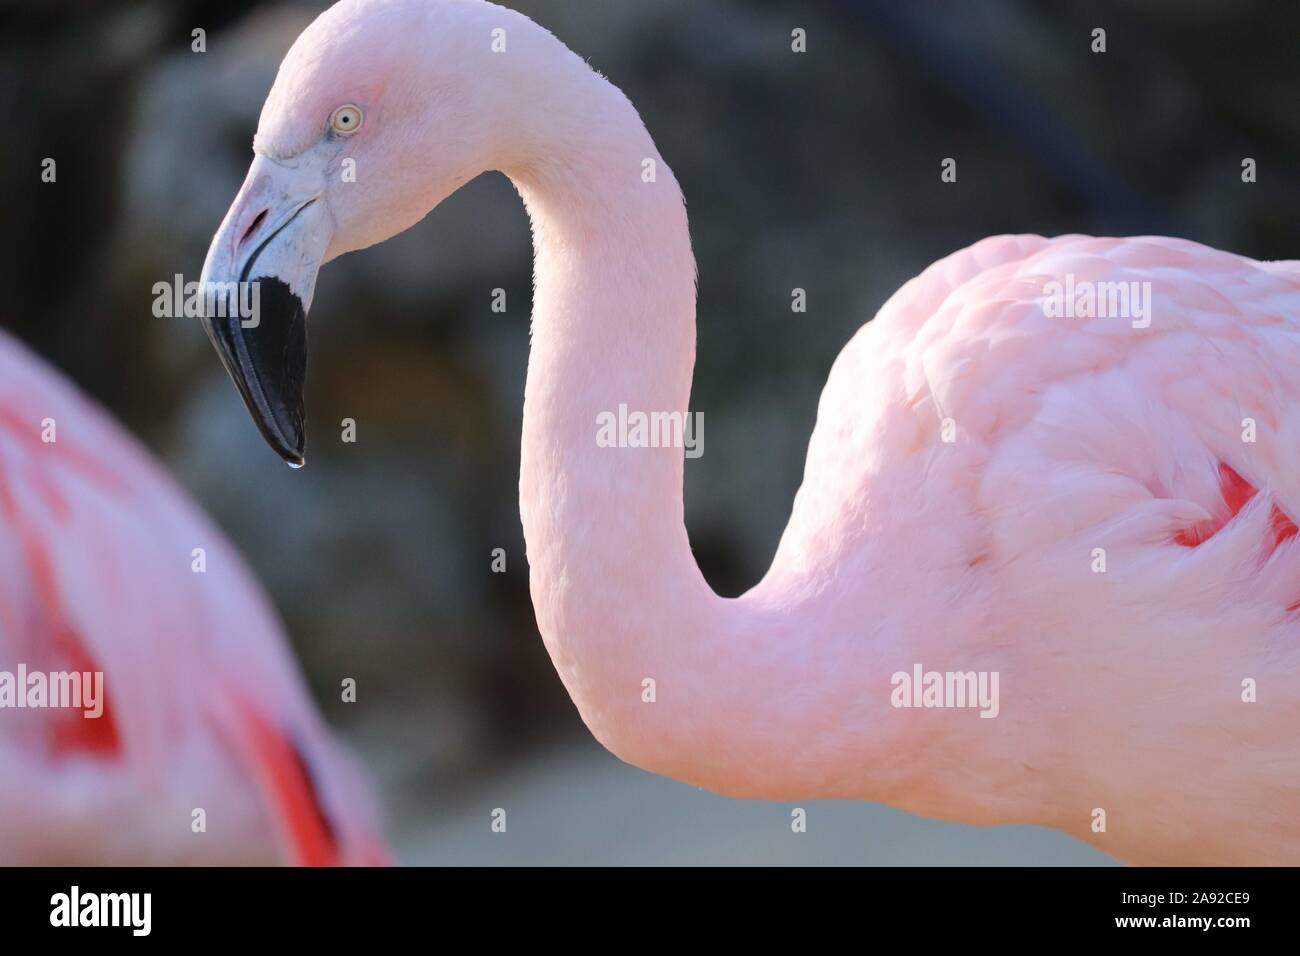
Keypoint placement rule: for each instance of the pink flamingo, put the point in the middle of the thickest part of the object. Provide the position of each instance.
(206, 748)
(1094, 509)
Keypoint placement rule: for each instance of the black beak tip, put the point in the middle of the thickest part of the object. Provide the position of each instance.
(283, 429)
(267, 361)
(290, 451)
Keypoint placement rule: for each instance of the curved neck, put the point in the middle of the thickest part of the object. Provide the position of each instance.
(747, 699)
(783, 692)
(618, 595)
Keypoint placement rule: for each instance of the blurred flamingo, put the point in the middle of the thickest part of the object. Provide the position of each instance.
(203, 708)
(1097, 510)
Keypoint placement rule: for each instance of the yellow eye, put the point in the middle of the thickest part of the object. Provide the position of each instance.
(346, 119)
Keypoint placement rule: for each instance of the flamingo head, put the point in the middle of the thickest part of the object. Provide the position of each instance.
(380, 110)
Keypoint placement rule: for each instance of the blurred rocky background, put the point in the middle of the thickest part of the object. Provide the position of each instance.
(817, 170)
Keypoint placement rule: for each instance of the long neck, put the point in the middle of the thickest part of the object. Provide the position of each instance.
(619, 598)
(745, 698)
(783, 692)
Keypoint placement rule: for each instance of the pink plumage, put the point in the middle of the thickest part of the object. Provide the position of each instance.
(204, 707)
(1111, 528)
(1095, 505)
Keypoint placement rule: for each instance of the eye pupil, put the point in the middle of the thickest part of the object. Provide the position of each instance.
(345, 119)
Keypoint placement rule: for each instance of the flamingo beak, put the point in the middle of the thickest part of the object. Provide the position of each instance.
(258, 280)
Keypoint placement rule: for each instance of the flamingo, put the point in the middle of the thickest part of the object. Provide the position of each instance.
(1095, 510)
(206, 747)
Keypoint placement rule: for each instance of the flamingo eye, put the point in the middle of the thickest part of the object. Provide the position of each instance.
(346, 119)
